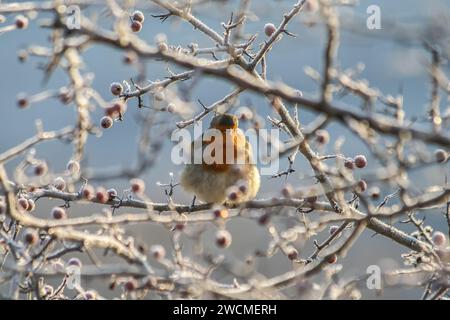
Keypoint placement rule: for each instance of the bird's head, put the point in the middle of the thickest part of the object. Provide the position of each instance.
(224, 121)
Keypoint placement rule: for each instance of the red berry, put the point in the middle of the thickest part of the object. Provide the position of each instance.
(59, 183)
(292, 254)
(101, 195)
(374, 193)
(21, 22)
(360, 161)
(40, 169)
(322, 136)
(243, 188)
(22, 100)
(349, 164)
(269, 29)
(136, 26)
(138, 16)
(88, 192)
(131, 284)
(221, 213)
(73, 166)
(65, 96)
(31, 237)
(58, 213)
(362, 186)
(74, 262)
(112, 193)
(116, 88)
(332, 259)
(130, 57)
(23, 203)
(287, 191)
(441, 155)
(233, 195)
(106, 122)
(157, 251)
(439, 239)
(264, 219)
(223, 238)
(137, 185)
(333, 229)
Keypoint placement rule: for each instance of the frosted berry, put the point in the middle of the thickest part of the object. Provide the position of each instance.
(40, 169)
(157, 251)
(101, 195)
(138, 16)
(88, 192)
(163, 47)
(360, 161)
(131, 284)
(22, 100)
(223, 238)
(73, 166)
(58, 213)
(112, 193)
(106, 122)
(333, 229)
(322, 136)
(441, 155)
(292, 254)
(59, 183)
(137, 185)
(349, 164)
(439, 239)
(136, 26)
(31, 237)
(332, 259)
(361, 186)
(116, 88)
(74, 262)
(21, 22)
(269, 29)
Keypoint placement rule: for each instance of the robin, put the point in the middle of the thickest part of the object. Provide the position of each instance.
(226, 170)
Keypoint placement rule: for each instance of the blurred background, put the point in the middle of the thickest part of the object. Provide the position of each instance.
(395, 62)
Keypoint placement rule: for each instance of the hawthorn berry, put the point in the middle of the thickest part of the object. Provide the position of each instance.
(439, 239)
(441, 155)
(101, 195)
(292, 254)
(131, 284)
(74, 262)
(21, 22)
(349, 164)
(269, 29)
(22, 100)
(360, 161)
(322, 136)
(40, 169)
(287, 191)
(116, 88)
(88, 192)
(138, 16)
(361, 186)
(73, 166)
(223, 238)
(112, 193)
(106, 122)
(130, 57)
(30, 237)
(163, 47)
(333, 229)
(221, 213)
(264, 219)
(137, 185)
(157, 251)
(58, 213)
(332, 259)
(59, 183)
(136, 26)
